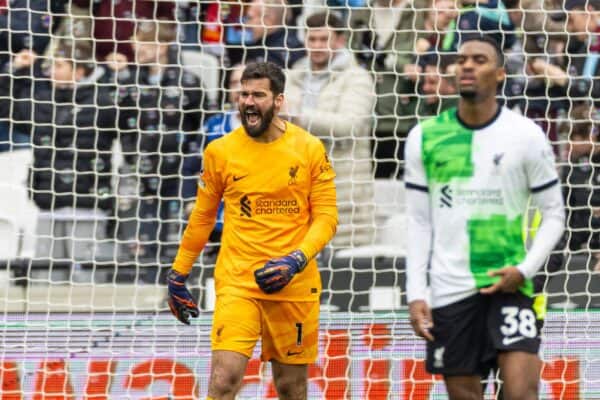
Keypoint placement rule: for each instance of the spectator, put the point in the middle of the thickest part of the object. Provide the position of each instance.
(489, 16)
(537, 84)
(160, 110)
(71, 120)
(550, 81)
(436, 88)
(440, 26)
(209, 25)
(438, 85)
(375, 30)
(584, 50)
(269, 38)
(215, 127)
(332, 97)
(582, 182)
(542, 39)
(383, 38)
(28, 24)
(189, 15)
(536, 17)
(340, 7)
(203, 26)
(25, 24)
(235, 33)
(445, 25)
(114, 22)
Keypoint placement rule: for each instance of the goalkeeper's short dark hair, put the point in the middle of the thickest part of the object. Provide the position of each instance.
(268, 70)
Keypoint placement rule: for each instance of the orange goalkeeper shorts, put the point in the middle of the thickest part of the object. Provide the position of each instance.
(289, 330)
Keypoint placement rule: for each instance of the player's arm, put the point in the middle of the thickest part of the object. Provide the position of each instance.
(544, 185)
(278, 272)
(323, 206)
(195, 236)
(420, 231)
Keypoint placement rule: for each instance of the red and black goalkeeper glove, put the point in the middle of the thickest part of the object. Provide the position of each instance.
(278, 272)
(182, 304)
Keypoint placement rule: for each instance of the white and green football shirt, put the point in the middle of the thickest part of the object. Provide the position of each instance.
(477, 183)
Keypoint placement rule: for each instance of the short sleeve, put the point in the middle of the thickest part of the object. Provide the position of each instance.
(540, 166)
(414, 171)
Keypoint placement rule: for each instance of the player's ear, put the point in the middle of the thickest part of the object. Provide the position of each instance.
(500, 74)
(278, 101)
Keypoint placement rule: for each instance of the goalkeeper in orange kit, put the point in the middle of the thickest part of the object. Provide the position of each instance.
(280, 211)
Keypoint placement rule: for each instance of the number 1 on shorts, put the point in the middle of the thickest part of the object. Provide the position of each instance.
(299, 333)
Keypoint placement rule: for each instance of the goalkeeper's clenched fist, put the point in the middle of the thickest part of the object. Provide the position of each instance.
(278, 272)
(182, 304)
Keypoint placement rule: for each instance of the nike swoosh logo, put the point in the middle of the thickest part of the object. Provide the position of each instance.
(507, 341)
(293, 353)
(237, 178)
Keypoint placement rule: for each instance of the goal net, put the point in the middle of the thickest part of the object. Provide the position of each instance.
(105, 108)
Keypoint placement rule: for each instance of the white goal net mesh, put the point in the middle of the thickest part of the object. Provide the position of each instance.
(106, 106)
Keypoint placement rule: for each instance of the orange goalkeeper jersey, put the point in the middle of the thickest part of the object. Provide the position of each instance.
(279, 196)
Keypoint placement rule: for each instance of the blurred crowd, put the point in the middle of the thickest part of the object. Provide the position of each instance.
(81, 78)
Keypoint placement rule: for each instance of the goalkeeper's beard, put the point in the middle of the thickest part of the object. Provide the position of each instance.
(265, 121)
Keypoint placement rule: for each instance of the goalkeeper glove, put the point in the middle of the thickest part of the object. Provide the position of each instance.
(278, 272)
(182, 304)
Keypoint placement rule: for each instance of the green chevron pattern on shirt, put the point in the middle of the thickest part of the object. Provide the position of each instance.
(495, 242)
(447, 148)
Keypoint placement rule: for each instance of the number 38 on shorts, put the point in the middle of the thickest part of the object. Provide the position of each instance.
(517, 324)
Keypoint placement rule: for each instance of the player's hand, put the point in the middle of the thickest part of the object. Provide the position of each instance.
(278, 272)
(182, 304)
(421, 319)
(510, 281)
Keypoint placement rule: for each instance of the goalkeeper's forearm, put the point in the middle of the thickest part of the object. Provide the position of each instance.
(321, 231)
(194, 239)
(550, 203)
(324, 217)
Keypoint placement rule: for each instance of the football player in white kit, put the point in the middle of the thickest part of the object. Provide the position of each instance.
(470, 173)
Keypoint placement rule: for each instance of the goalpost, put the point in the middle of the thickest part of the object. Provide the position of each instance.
(83, 311)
